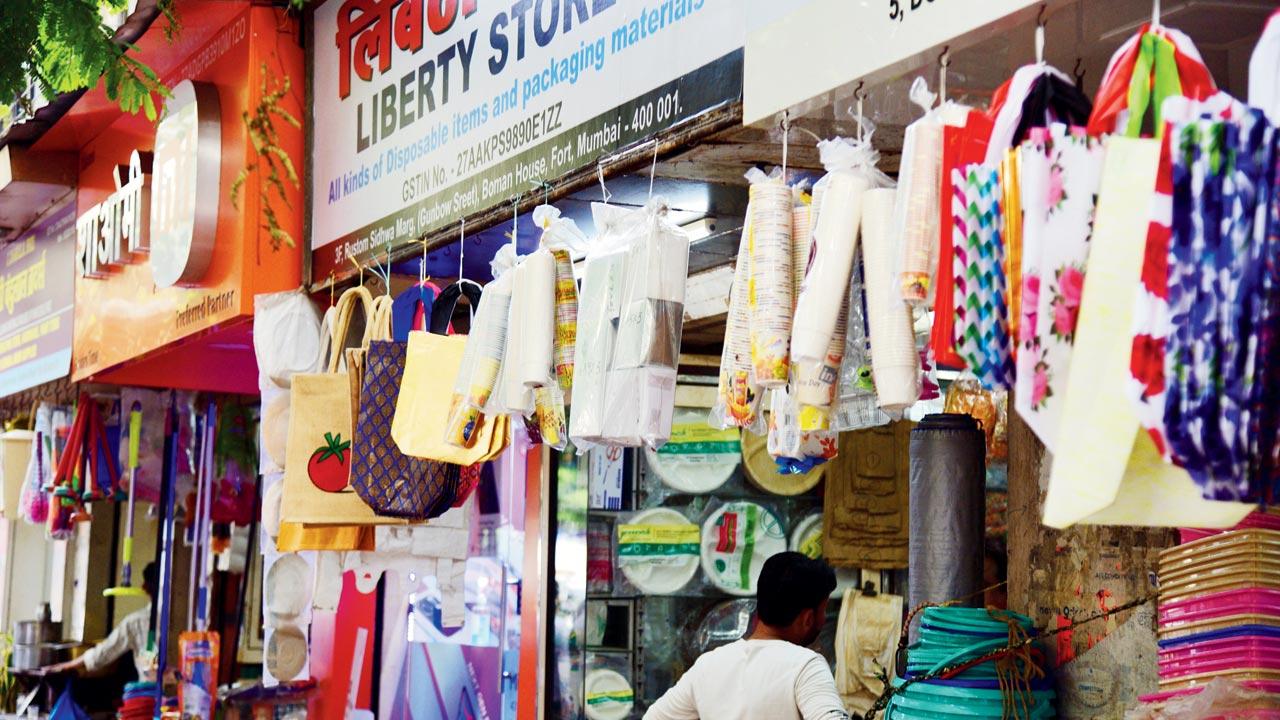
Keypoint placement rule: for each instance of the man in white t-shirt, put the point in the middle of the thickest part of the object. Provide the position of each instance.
(773, 674)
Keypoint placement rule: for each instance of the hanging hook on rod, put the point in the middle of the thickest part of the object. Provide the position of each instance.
(786, 136)
(859, 95)
(944, 62)
(1041, 22)
(1078, 71)
(360, 268)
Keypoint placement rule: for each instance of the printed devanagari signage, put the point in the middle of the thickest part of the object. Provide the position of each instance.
(114, 231)
(38, 289)
(426, 112)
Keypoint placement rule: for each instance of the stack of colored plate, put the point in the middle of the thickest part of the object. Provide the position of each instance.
(950, 637)
(139, 701)
(1219, 613)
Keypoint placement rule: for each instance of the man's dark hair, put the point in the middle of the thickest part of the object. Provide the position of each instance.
(789, 584)
(151, 578)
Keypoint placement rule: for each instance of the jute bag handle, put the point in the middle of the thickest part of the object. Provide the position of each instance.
(379, 325)
(342, 324)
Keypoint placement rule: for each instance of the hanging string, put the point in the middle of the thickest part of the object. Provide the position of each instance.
(944, 61)
(786, 135)
(653, 168)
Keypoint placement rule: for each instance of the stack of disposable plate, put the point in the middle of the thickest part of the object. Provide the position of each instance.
(952, 637)
(1220, 612)
(139, 701)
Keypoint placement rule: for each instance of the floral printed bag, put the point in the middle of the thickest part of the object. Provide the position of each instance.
(1060, 171)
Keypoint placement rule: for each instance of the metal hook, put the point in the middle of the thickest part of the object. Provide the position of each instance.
(462, 246)
(331, 285)
(1078, 71)
(422, 266)
(786, 136)
(1041, 24)
(358, 267)
(944, 62)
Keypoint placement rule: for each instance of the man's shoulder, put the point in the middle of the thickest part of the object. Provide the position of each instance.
(780, 649)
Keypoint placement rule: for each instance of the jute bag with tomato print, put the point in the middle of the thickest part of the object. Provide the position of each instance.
(318, 455)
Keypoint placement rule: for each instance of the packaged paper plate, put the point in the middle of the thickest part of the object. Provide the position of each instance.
(698, 458)
(736, 540)
(658, 551)
(608, 695)
(806, 538)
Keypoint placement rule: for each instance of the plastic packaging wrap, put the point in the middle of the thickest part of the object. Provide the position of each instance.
(629, 331)
(856, 405)
(894, 359)
(838, 197)
(597, 312)
(536, 294)
(481, 363)
(966, 396)
(738, 395)
(916, 212)
(561, 236)
(814, 382)
(771, 296)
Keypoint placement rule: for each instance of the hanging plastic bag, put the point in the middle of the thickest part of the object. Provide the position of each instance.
(286, 338)
(33, 502)
(813, 383)
(642, 382)
(598, 308)
(794, 450)
(771, 296)
(917, 208)
(1154, 64)
(837, 202)
(629, 340)
(738, 395)
(562, 237)
(856, 406)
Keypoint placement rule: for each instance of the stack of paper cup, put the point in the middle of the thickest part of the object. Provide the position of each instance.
(895, 363)
(771, 294)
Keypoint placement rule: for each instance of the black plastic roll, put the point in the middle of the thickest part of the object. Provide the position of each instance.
(948, 509)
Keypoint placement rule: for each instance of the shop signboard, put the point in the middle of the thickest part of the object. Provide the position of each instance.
(164, 255)
(38, 297)
(843, 42)
(425, 112)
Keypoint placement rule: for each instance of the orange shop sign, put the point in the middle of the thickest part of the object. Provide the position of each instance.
(162, 254)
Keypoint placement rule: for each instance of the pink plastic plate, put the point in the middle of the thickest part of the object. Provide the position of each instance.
(1228, 602)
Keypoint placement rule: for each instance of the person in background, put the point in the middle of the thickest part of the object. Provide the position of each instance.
(772, 674)
(129, 635)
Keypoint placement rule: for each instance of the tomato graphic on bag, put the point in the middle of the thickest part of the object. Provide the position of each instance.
(330, 465)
